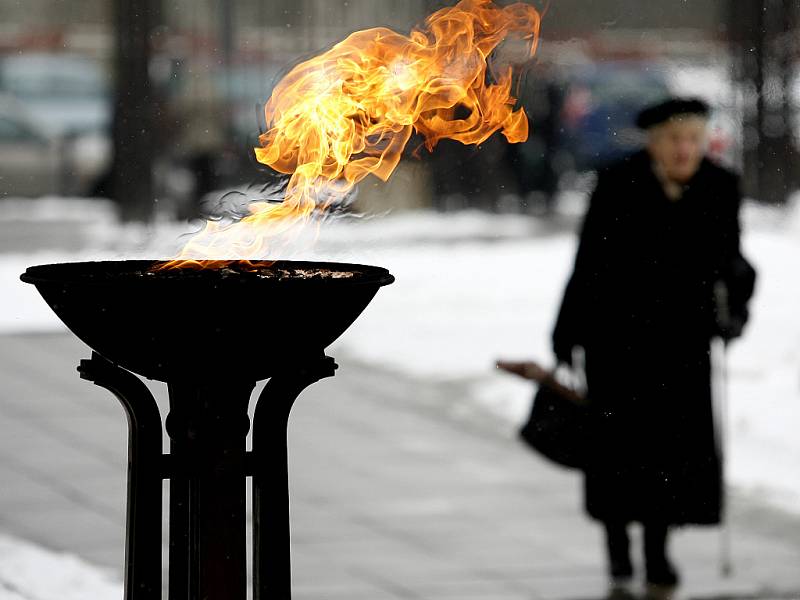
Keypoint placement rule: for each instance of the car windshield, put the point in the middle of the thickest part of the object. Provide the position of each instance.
(627, 87)
(41, 77)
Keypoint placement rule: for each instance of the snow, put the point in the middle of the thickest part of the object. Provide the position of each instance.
(473, 287)
(28, 572)
(459, 305)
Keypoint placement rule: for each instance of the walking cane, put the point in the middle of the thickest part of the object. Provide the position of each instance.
(720, 348)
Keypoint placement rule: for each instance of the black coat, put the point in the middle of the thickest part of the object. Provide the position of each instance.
(641, 303)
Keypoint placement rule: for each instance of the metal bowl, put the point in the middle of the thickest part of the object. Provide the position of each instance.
(178, 324)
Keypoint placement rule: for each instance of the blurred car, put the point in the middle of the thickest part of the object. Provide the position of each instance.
(29, 159)
(59, 127)
(582, 118)
(34, 162)
(599, 109)
(67, 94)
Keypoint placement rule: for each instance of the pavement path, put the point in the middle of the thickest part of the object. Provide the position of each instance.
(400, 490)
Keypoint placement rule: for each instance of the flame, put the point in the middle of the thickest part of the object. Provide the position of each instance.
(350, 112)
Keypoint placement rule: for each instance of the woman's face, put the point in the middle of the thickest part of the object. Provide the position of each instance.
(678, 145)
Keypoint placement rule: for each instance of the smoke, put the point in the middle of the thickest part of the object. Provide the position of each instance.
(227, 234)
(233, 205)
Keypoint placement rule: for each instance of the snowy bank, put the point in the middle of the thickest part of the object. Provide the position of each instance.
(28, 572)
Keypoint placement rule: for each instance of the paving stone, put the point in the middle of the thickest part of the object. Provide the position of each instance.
(398, 492)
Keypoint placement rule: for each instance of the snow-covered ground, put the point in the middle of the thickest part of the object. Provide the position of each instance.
(459, 305)
(473, 287)
(28, 572)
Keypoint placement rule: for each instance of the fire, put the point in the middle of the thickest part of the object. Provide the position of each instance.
(350, 112)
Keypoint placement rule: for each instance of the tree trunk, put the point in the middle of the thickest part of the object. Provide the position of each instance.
(761, 39)
(134, 124)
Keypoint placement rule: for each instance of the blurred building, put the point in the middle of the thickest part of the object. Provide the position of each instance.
(213, 63)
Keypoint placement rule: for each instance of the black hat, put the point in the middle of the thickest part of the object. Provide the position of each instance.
(658, 113)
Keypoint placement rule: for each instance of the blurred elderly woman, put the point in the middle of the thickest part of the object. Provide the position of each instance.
(659, 245)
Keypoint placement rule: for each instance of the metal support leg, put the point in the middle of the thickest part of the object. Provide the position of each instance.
(271, 535)
(143, 527)
(208, 426)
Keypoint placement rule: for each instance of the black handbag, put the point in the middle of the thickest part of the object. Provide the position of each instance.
(557, 428)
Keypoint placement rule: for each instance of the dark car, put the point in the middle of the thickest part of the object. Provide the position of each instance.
(581, 119)
(599, 111)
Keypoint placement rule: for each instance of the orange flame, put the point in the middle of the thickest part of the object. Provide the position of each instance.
(350, 112)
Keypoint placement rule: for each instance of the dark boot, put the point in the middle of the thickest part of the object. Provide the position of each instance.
(618, 547)
(658, 568)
